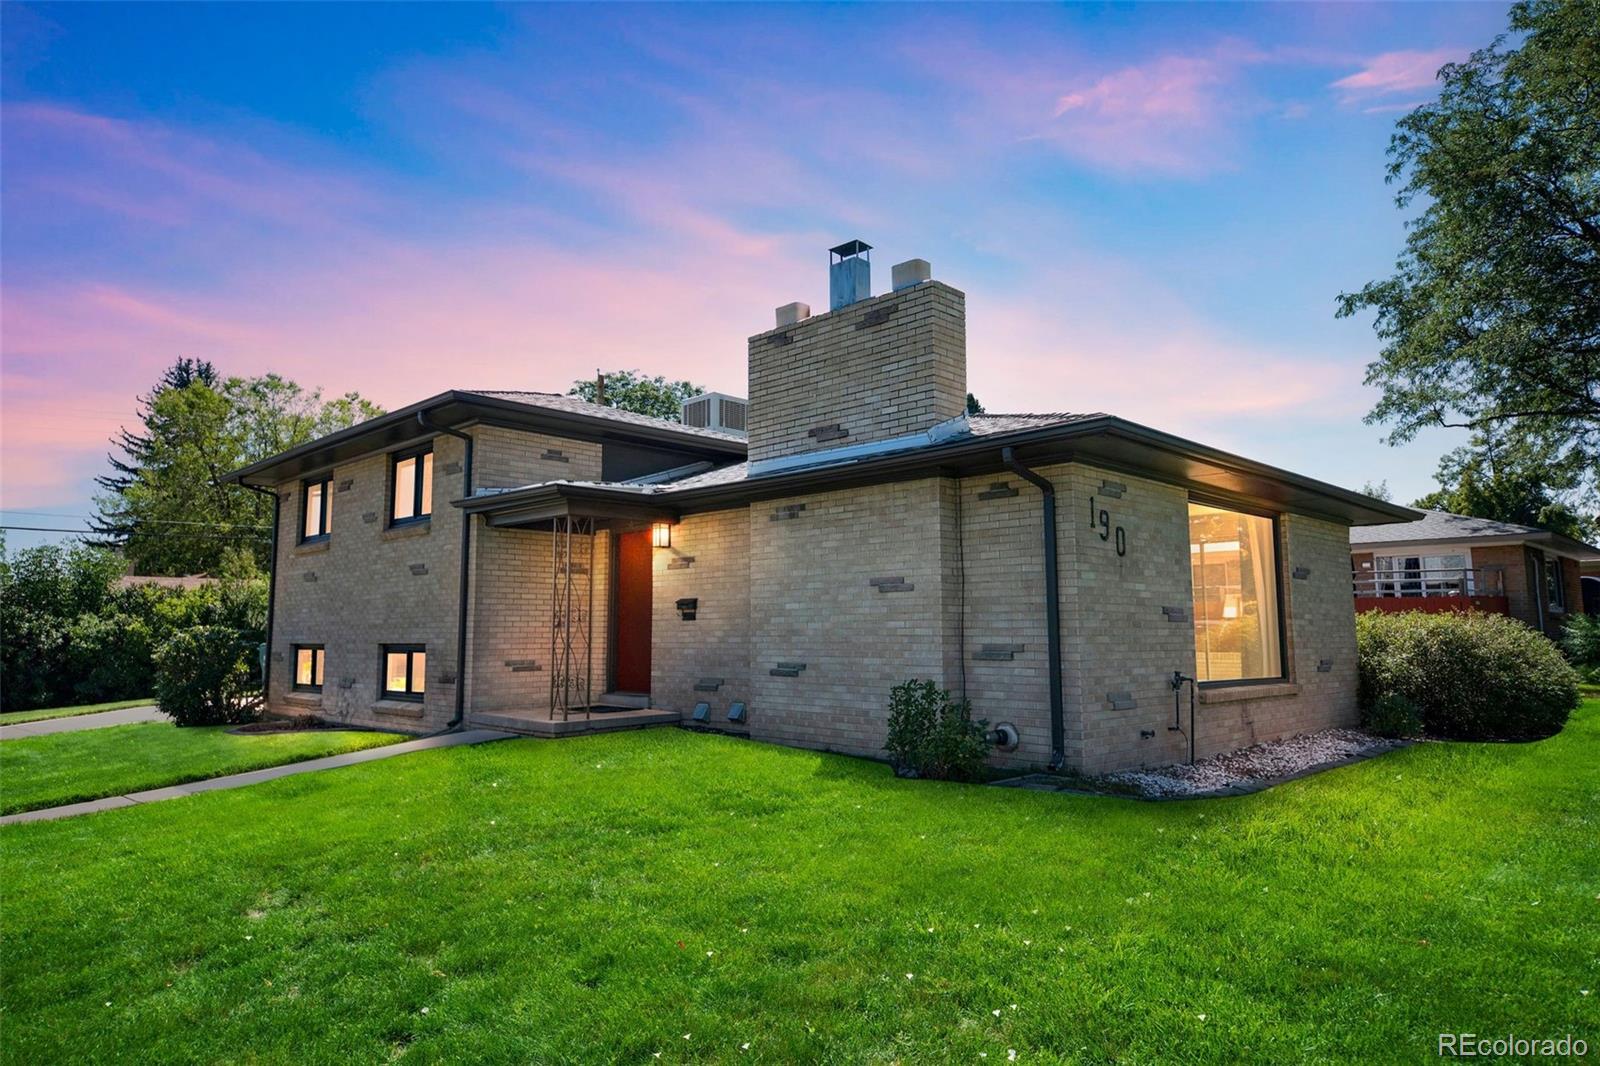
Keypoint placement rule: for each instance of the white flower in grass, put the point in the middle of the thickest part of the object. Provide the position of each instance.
(1013, 1006)
(108, 1003)
(909, 976)
(1583, 991)
(1202, 1017)
(745, 1046)
(249, 937)
(424, 1010)
(1027, 943)
(1011, 1054)
(995, 1012)
(686, 1036)
(710, 953)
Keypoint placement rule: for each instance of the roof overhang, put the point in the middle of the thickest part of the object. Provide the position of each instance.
(1107, 443)
(456, 409)
(536, 506)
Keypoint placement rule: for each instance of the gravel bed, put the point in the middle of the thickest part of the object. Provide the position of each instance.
(1251, 766)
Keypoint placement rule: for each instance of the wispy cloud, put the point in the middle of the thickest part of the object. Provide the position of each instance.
(1394, 72)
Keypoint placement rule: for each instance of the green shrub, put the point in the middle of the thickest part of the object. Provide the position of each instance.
(934, 735)
(109, 658)
(206, 676)
(1472, 676)
(1392, 715)
(1581, 643)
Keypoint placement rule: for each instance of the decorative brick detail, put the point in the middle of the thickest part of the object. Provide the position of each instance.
(682, 562)
(787, 511)
(523, 666)
(780, 340)
(452, 468)
(832, 431)
(1325, 666)
(998, 653)
(309, 577)
(877, 316)
(277, 656)
(709, 684)
(1176, 614)
(369, 517)
(998, 490)
(787, 670)
(1114, 489)
(1302, 572)
(446, 679)
(686, 607)
(555, 455)
(419, 569)
(1120, 701)
(891, 584)
(347, 683)
(347, 484)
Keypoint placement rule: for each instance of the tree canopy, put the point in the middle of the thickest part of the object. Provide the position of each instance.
(1492, 318)
(165, 506)
(633, 390)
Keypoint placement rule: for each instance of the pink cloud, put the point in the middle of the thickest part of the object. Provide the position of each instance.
(1394, 72)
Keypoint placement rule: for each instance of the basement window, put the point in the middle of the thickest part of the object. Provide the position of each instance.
(308, 662)
(316, 509)
(411, 487)
(1238, 605)
(404, 667)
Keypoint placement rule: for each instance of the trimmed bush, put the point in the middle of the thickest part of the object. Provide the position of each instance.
(1581, 643)
(206, 676)
(1392, 715)
(934, 735)
(1472, 676)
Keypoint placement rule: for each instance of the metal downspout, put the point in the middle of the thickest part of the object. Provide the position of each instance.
(272, 588)
(1052, 604)
(466, 547)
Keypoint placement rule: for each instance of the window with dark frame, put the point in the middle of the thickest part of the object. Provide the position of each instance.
(308, 665)
(1238, 603)
(1554, 583)
(411, 486)
(404, 669)
(316, 509)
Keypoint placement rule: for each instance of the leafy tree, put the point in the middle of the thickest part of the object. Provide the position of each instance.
(165, 505)
(1378, 491)
(1492, 319)
(973, 406)
(1508, 484)
(632, 390)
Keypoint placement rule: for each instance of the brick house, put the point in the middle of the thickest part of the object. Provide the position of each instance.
(534, 562)
(1445, 562)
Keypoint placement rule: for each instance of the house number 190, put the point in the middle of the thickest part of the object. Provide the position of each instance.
(1100, 521)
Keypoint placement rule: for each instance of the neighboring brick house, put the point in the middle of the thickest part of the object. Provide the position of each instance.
(1445, 561)
(872, 532)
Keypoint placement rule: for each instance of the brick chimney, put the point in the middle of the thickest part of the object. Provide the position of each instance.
(872, 369)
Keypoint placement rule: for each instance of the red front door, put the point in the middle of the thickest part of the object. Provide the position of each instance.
(632, 655)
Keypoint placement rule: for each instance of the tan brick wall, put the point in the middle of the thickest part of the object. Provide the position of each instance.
(510, 630)
(901, 375)
(1511, 561)
(508, 458)
(812, 601)
(709, 561)
(357, 591)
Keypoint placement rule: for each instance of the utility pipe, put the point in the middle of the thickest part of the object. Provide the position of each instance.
(1052, 604)
(466, 547)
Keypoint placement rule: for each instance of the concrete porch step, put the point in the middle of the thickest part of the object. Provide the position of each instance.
(539, 723)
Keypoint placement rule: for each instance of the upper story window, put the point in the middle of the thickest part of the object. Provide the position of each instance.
(1555, 588)
(411, 486)
(308, 659)
(1238, 627)
(316, 508)
(405, 667)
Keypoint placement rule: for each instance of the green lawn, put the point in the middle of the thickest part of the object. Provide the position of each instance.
(67, 767)
(18, 717)
(607, 898)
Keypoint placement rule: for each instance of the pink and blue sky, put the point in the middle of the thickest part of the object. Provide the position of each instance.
(1151, 209)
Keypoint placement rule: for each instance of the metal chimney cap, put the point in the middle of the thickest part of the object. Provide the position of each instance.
(849, 248)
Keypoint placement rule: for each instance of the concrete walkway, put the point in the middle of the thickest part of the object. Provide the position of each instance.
(97, 720)
(252, 777)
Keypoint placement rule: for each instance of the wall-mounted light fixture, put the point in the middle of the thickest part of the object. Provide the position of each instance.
(661, 534)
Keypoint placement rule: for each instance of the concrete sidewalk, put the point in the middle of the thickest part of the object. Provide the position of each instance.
(97, 720)
(252, 777)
